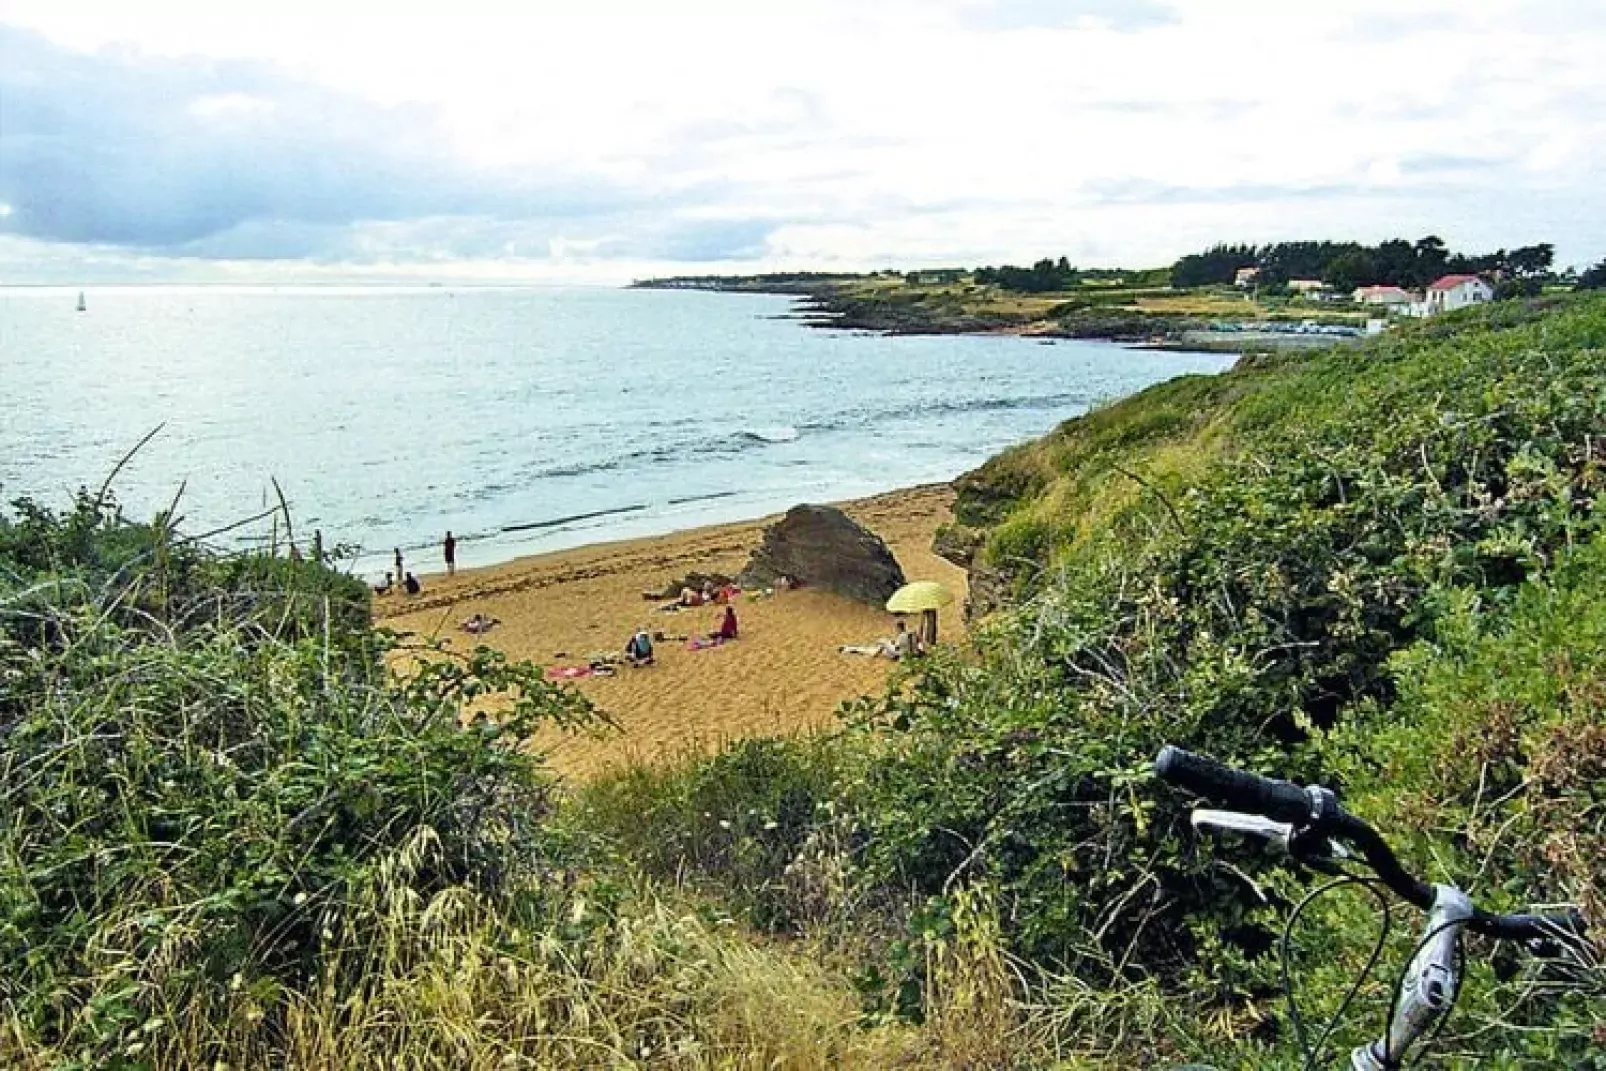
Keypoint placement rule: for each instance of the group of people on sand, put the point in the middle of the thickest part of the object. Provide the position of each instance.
(902, 645)
(409, 583)
(639, 649)
(707, 595)
(400, 577)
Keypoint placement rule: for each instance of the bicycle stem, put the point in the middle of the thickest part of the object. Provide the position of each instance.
(1428, 987)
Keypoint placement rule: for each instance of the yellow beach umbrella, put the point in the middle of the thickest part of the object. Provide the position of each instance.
(924, 597)
(921, 595)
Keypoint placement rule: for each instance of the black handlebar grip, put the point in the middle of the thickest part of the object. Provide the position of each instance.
(1564, 926)
(1282, 801)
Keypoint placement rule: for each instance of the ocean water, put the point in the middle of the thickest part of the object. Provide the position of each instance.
(522, 419)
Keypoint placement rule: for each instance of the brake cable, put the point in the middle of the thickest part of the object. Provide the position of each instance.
(1377, 889)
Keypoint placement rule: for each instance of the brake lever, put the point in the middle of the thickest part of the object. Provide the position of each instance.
(1299, 843)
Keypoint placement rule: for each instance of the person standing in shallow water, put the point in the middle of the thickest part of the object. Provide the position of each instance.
(449, 548)
(400, 572)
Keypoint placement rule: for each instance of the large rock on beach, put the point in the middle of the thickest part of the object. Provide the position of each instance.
(822, 547)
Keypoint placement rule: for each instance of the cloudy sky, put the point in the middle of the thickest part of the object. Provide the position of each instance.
(494, 140)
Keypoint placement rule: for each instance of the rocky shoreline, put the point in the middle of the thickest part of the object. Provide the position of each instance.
(829, 302)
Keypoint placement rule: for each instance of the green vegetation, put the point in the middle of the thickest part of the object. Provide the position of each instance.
(1043, 277)
(1170, 306)
(1347, 265)
(232, 835)
(1375, 567)
(1593, 279)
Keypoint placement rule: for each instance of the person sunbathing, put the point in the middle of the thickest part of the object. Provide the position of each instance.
(479, 624)
(897, 647)
(882, 648)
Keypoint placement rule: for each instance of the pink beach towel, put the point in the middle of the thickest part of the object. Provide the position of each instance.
(567, 673)
(700, 643)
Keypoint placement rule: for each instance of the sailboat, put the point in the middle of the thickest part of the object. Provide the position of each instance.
(81, 306)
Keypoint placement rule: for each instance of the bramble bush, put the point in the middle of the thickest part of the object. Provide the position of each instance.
(208, 768)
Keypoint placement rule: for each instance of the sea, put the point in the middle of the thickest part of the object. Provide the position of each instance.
(522, 419)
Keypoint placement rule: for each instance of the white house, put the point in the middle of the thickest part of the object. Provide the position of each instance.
(1244, 278)
(1457, 292)
(1391, 298)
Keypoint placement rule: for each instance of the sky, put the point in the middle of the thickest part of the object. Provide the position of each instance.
(546, 141)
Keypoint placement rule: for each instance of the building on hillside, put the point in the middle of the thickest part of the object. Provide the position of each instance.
(1309, 289)
(1456, 292)
(1244, 278)
(1391, 298)
(940, 277)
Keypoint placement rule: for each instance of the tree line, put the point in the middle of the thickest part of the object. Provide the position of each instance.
(1341, 265)
(1347, 265)
(1044, 276)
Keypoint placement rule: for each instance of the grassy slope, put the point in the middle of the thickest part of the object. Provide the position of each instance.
(1269, 565)
(1094, 478)
(1379, 566)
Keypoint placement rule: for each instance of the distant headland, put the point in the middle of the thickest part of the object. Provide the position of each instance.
(1282, 295)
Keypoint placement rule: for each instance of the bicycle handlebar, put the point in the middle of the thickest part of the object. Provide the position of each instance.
(1281, 801)
(1316, 809)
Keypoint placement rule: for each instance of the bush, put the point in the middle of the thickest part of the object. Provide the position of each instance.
(734, 823)
(207, 768)
(1244, 612)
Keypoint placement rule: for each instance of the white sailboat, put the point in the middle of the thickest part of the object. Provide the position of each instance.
(81, 306)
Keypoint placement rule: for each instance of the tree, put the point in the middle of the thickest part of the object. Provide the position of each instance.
(1593, 278)
(1216, 266)
(1349, 270)
(1431, 258)
(1531, 261)
(1395, 261)
(1041, 277)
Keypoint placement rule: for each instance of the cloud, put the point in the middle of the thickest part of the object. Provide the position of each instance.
(1121, 15)
(1144, 192)
(233, 158)
(519, 139)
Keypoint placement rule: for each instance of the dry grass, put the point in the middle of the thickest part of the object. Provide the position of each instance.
(451, 981)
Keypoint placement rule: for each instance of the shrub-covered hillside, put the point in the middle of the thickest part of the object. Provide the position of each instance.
(1324, 567)
(231, 835)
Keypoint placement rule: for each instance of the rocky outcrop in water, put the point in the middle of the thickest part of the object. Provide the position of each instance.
(822, 547)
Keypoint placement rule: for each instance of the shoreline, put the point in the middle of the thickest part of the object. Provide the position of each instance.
(825, 304)
(784, 676)
(1142, 317)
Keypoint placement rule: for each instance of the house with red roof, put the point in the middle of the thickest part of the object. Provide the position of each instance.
(1457, 292)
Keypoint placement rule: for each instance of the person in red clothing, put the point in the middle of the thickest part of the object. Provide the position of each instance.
(727, 626)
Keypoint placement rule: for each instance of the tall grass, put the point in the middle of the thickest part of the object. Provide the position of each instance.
(232, 838)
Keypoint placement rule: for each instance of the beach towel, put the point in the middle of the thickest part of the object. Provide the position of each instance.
(567, 673)
(700, 643)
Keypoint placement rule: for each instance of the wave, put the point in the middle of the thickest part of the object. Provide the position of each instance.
(701, 498)
(864, 418)
(675, 448)
(784, 434)
(556, 521)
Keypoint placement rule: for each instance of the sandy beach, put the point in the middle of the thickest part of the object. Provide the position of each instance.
(784, 675)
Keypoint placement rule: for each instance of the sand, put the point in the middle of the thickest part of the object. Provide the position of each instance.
(785, 675)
